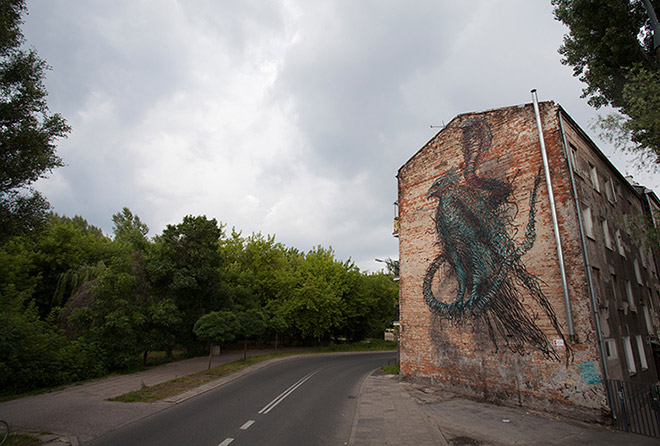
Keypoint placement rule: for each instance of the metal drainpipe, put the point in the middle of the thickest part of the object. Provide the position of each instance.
(594, 306)
(555, 223)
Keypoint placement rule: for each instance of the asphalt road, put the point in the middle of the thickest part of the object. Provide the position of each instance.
(309, 400)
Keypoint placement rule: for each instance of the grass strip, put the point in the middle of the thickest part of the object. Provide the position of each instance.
(21, 440)
(392, 369)
(157, 392)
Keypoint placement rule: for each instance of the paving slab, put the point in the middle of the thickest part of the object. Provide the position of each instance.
(399, 413)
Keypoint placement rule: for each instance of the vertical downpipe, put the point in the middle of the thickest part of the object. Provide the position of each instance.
(555, 223)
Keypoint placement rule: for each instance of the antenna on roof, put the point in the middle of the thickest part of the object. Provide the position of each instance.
(438, 126)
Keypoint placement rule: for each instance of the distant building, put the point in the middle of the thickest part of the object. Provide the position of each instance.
(487, 308)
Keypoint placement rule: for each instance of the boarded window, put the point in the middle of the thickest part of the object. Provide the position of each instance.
(593, 175)
(606, 235)
(640, 351)
(588, 222)
(630, 359)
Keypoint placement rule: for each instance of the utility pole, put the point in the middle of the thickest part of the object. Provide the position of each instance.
(656, 27)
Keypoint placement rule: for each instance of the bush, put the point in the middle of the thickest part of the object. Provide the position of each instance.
(34, 355)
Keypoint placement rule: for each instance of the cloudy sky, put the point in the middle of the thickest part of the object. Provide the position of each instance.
(286, 117)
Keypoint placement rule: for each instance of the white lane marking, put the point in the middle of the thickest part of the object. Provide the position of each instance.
(270, 406)
(226, 442)
(247, 425)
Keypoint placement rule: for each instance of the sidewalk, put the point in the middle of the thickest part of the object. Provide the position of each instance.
(84, 409)
(396, 413)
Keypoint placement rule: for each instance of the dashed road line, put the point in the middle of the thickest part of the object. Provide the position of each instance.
(226, 441)
(247, 425)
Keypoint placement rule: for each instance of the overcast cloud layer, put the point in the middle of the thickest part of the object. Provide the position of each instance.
(285, 117)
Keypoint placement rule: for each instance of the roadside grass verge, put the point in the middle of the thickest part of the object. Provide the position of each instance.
(366, 345)
(161, 391)
(157, 392)
(14, 439)
(392, 369)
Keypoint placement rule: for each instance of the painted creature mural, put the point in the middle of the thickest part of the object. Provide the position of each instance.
(474, 221)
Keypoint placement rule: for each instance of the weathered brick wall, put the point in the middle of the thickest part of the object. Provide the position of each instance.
(462, 355)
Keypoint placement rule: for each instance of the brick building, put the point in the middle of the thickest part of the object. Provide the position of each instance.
(499, 299)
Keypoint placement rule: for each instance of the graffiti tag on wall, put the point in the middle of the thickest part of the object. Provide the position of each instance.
(474, 222)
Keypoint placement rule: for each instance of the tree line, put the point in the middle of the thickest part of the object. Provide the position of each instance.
(77, 303)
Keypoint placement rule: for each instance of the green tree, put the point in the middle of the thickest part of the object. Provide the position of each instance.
(27, 131)
(129, 229)
(63, 246)
(311, 293)
(610, 47)
(251, 325)
(185, 265)
(116, 318)
(275, 321)
(216, 327)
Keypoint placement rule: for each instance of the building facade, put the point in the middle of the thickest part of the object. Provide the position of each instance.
(523, 284)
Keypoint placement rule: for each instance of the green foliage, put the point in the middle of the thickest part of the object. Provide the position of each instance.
(392, 369)
(77, 303)
(124, 319)
(610, 47)
(64, 245)
(217, 326)
(185, 265)
(27, 131)
(129, 229)
(33, 354)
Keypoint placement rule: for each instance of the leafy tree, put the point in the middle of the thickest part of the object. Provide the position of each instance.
(63, 246)
(610, 47)
(117, 316)
(216, 327)
(27, 131)
(129, 229)
(310, 295)
(33, 354)
(251, 324)
(251, 268)
(384, 294)
(275, 321)
(185, 265)
(158, 331)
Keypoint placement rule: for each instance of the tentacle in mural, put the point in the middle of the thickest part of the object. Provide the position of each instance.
(474, 223)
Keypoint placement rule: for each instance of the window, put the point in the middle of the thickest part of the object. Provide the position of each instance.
(611, 191)
(642, 255)
(572, 153)
(596, 283)
(593, 175)
(619, 243)
(606, 235)
(647, 319)
(642, 354)
(627, 348)
(610, 348)
(638, 273)
(630, 297)
(613, 285)
(588, 222)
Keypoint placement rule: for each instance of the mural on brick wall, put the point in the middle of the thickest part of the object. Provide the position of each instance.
(474, 221)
